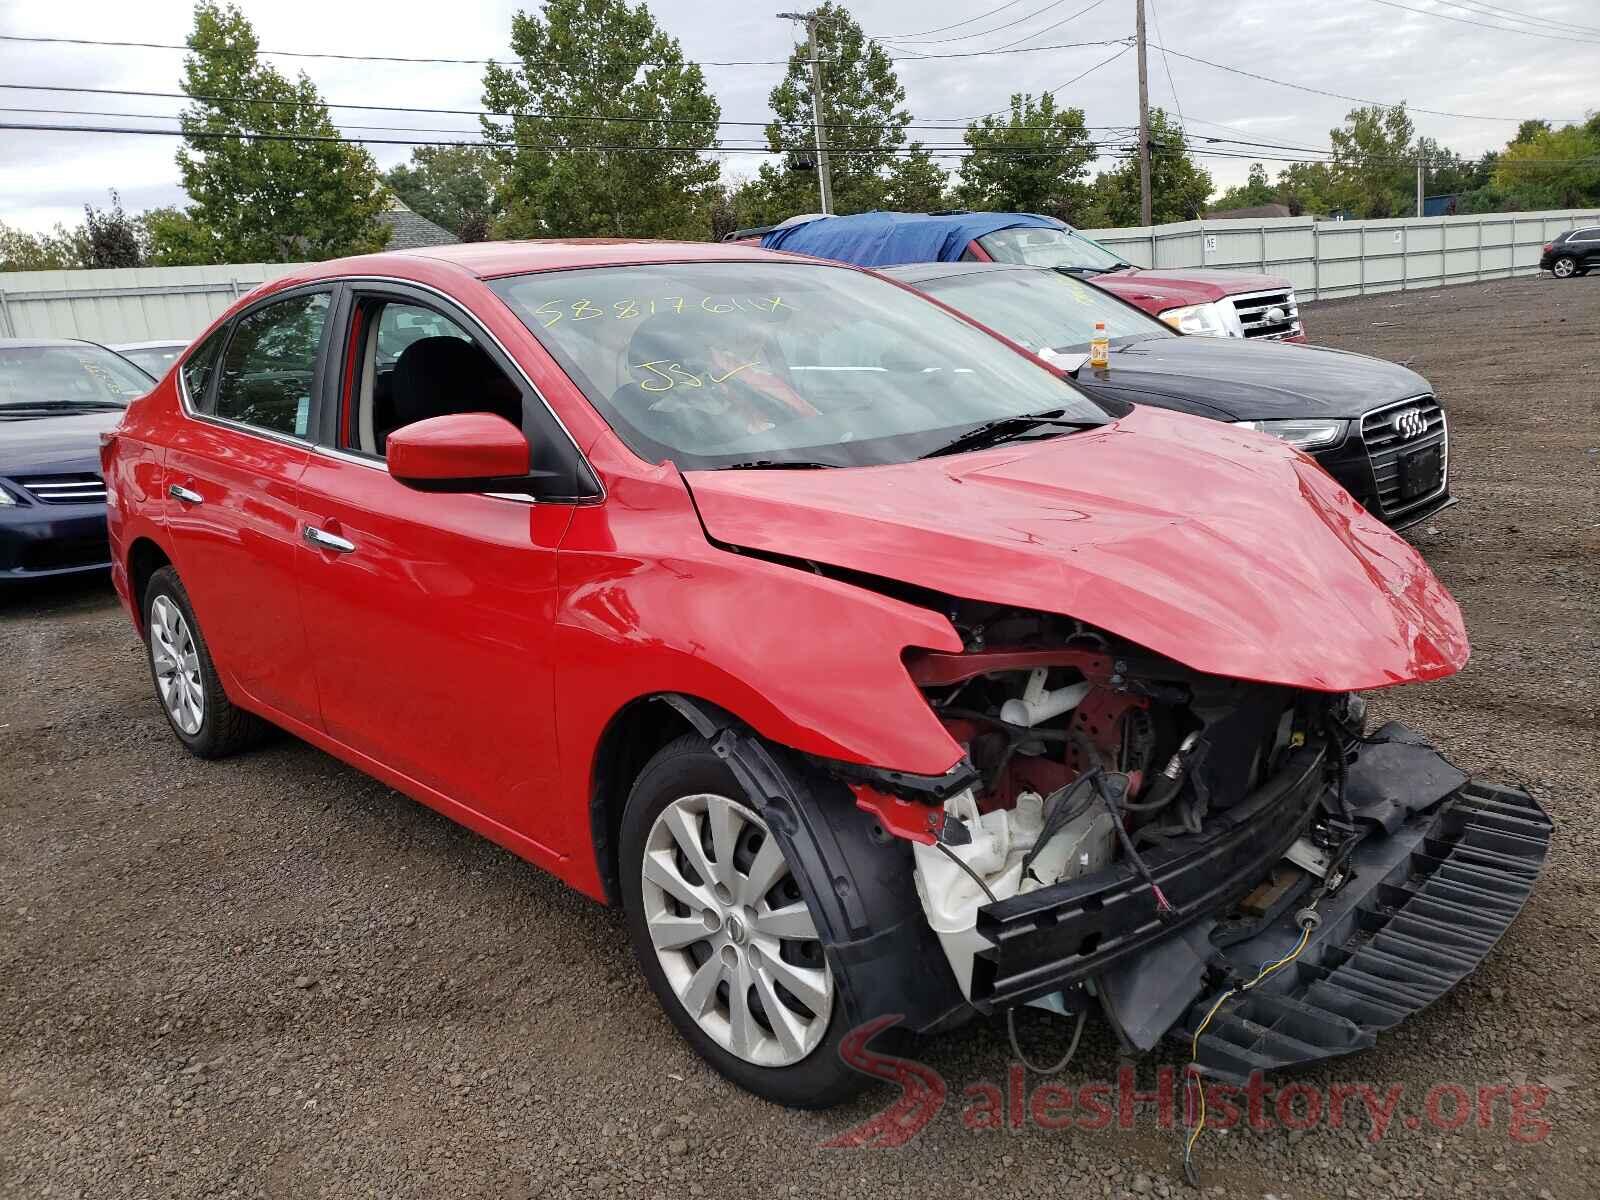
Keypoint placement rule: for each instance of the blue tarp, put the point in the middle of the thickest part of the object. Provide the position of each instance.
(888, 239)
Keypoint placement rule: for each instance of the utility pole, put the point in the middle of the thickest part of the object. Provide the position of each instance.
(1144, 118)
(824, 181)
(1420, 171)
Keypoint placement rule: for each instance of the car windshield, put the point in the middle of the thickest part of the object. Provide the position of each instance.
(1043, 310)
(770, 364)
(1050, 247)
(154, 360)
(68, 375)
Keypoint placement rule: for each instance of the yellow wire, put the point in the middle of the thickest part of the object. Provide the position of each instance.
(1194, 1042)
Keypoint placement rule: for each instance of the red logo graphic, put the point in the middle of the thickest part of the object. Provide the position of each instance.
(922, 1091)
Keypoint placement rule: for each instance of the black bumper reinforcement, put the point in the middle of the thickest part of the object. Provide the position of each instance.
(1058, 936)
(1424, 905)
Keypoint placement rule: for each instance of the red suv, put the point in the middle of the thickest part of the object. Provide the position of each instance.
(1207, 303)
(875, 670)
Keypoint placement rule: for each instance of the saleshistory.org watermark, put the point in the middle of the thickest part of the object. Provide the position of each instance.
(1101, 1104)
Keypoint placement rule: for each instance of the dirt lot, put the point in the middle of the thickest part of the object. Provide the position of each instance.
(272, 976)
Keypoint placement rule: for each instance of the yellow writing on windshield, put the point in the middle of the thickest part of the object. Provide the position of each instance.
(633, 307)
(666, 374)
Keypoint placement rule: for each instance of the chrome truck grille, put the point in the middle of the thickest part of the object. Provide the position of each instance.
(1270, 315)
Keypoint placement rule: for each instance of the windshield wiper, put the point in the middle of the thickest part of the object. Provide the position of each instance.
(993, 433)
(54, 405)
(777, 464)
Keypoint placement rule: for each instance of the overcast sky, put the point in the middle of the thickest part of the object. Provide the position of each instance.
(1364, 48)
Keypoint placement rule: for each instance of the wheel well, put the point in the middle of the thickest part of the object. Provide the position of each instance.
(145, 558)
(629, 742)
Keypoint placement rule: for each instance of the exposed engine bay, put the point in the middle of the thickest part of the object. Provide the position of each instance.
(1089, 755)
(1135, 836)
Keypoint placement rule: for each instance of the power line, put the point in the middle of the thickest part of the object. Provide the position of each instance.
(1427, 12)
(969, 21)
(581, 118)
(1166, 64)
(563, 148)
(1040, 32)
(950, 151)
(982, 32)
(500, 62)
(1059, 87)
(1496, 10)
(1300, 87)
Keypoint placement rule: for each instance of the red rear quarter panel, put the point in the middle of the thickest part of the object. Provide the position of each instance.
(131, 461)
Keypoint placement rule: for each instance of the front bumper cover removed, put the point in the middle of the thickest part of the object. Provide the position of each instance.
(1424, 906)
(1443, 866)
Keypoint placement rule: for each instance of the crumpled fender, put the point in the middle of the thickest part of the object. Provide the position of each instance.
(806, 661)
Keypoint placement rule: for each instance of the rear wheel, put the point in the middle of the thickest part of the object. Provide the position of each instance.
(186, 681)
(1564, 267)
(723, 934)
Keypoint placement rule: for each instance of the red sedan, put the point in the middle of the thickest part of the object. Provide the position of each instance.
(874, 669)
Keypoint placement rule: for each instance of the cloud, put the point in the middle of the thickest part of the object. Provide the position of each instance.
(1362, 49)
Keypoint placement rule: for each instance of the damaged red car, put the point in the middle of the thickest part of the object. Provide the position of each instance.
(869, 665)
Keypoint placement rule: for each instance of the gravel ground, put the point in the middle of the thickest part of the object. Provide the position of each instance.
(272, 976)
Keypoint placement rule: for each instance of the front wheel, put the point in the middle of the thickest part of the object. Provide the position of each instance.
(1565, 267)
(723, 934)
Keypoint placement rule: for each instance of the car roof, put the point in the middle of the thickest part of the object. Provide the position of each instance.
(923, 272)
(157, 344)
(490, 260)
(38, 343)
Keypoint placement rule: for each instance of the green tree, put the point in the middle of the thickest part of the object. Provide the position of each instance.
(453, 186)
(274, 200)
(1554, 168)
(1374, 163)
(1179, 188)
(863, 114)
(1255, 190)
(115, 239)
(917, 183)
(1308, 187)
(601, 58)
(1036, 158)
(62, 249)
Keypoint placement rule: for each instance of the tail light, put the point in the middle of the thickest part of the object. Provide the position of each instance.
(1549, 247)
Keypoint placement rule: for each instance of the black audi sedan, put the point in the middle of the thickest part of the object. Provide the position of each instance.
(56, 398)
(1575, 252)
(1374, 426)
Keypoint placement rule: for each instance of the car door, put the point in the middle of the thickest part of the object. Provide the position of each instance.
(430, 615)
(232, 498)
(1587, 243)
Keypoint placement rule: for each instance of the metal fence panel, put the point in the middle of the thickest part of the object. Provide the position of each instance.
(1322, 259)
(1327, 259)
(130, 304)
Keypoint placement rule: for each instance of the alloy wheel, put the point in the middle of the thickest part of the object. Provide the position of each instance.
(1563, 268)
(732, 932)
(176, 660)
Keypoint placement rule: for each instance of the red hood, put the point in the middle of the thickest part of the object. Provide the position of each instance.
(1225, 550)
(1168, 289)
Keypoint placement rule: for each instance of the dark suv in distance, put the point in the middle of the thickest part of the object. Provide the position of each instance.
(1575, 252)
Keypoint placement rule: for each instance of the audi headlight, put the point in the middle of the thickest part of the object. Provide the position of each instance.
(6, 498)
(1205, 320)
(1303, 435)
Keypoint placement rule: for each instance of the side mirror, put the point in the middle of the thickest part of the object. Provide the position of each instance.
(460, 452)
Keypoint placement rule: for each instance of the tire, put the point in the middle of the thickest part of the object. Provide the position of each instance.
(686, 794)
(1565, 267)
(186, 683)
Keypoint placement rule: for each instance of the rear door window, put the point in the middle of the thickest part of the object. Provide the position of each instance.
(199, 367)
(268, 372)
